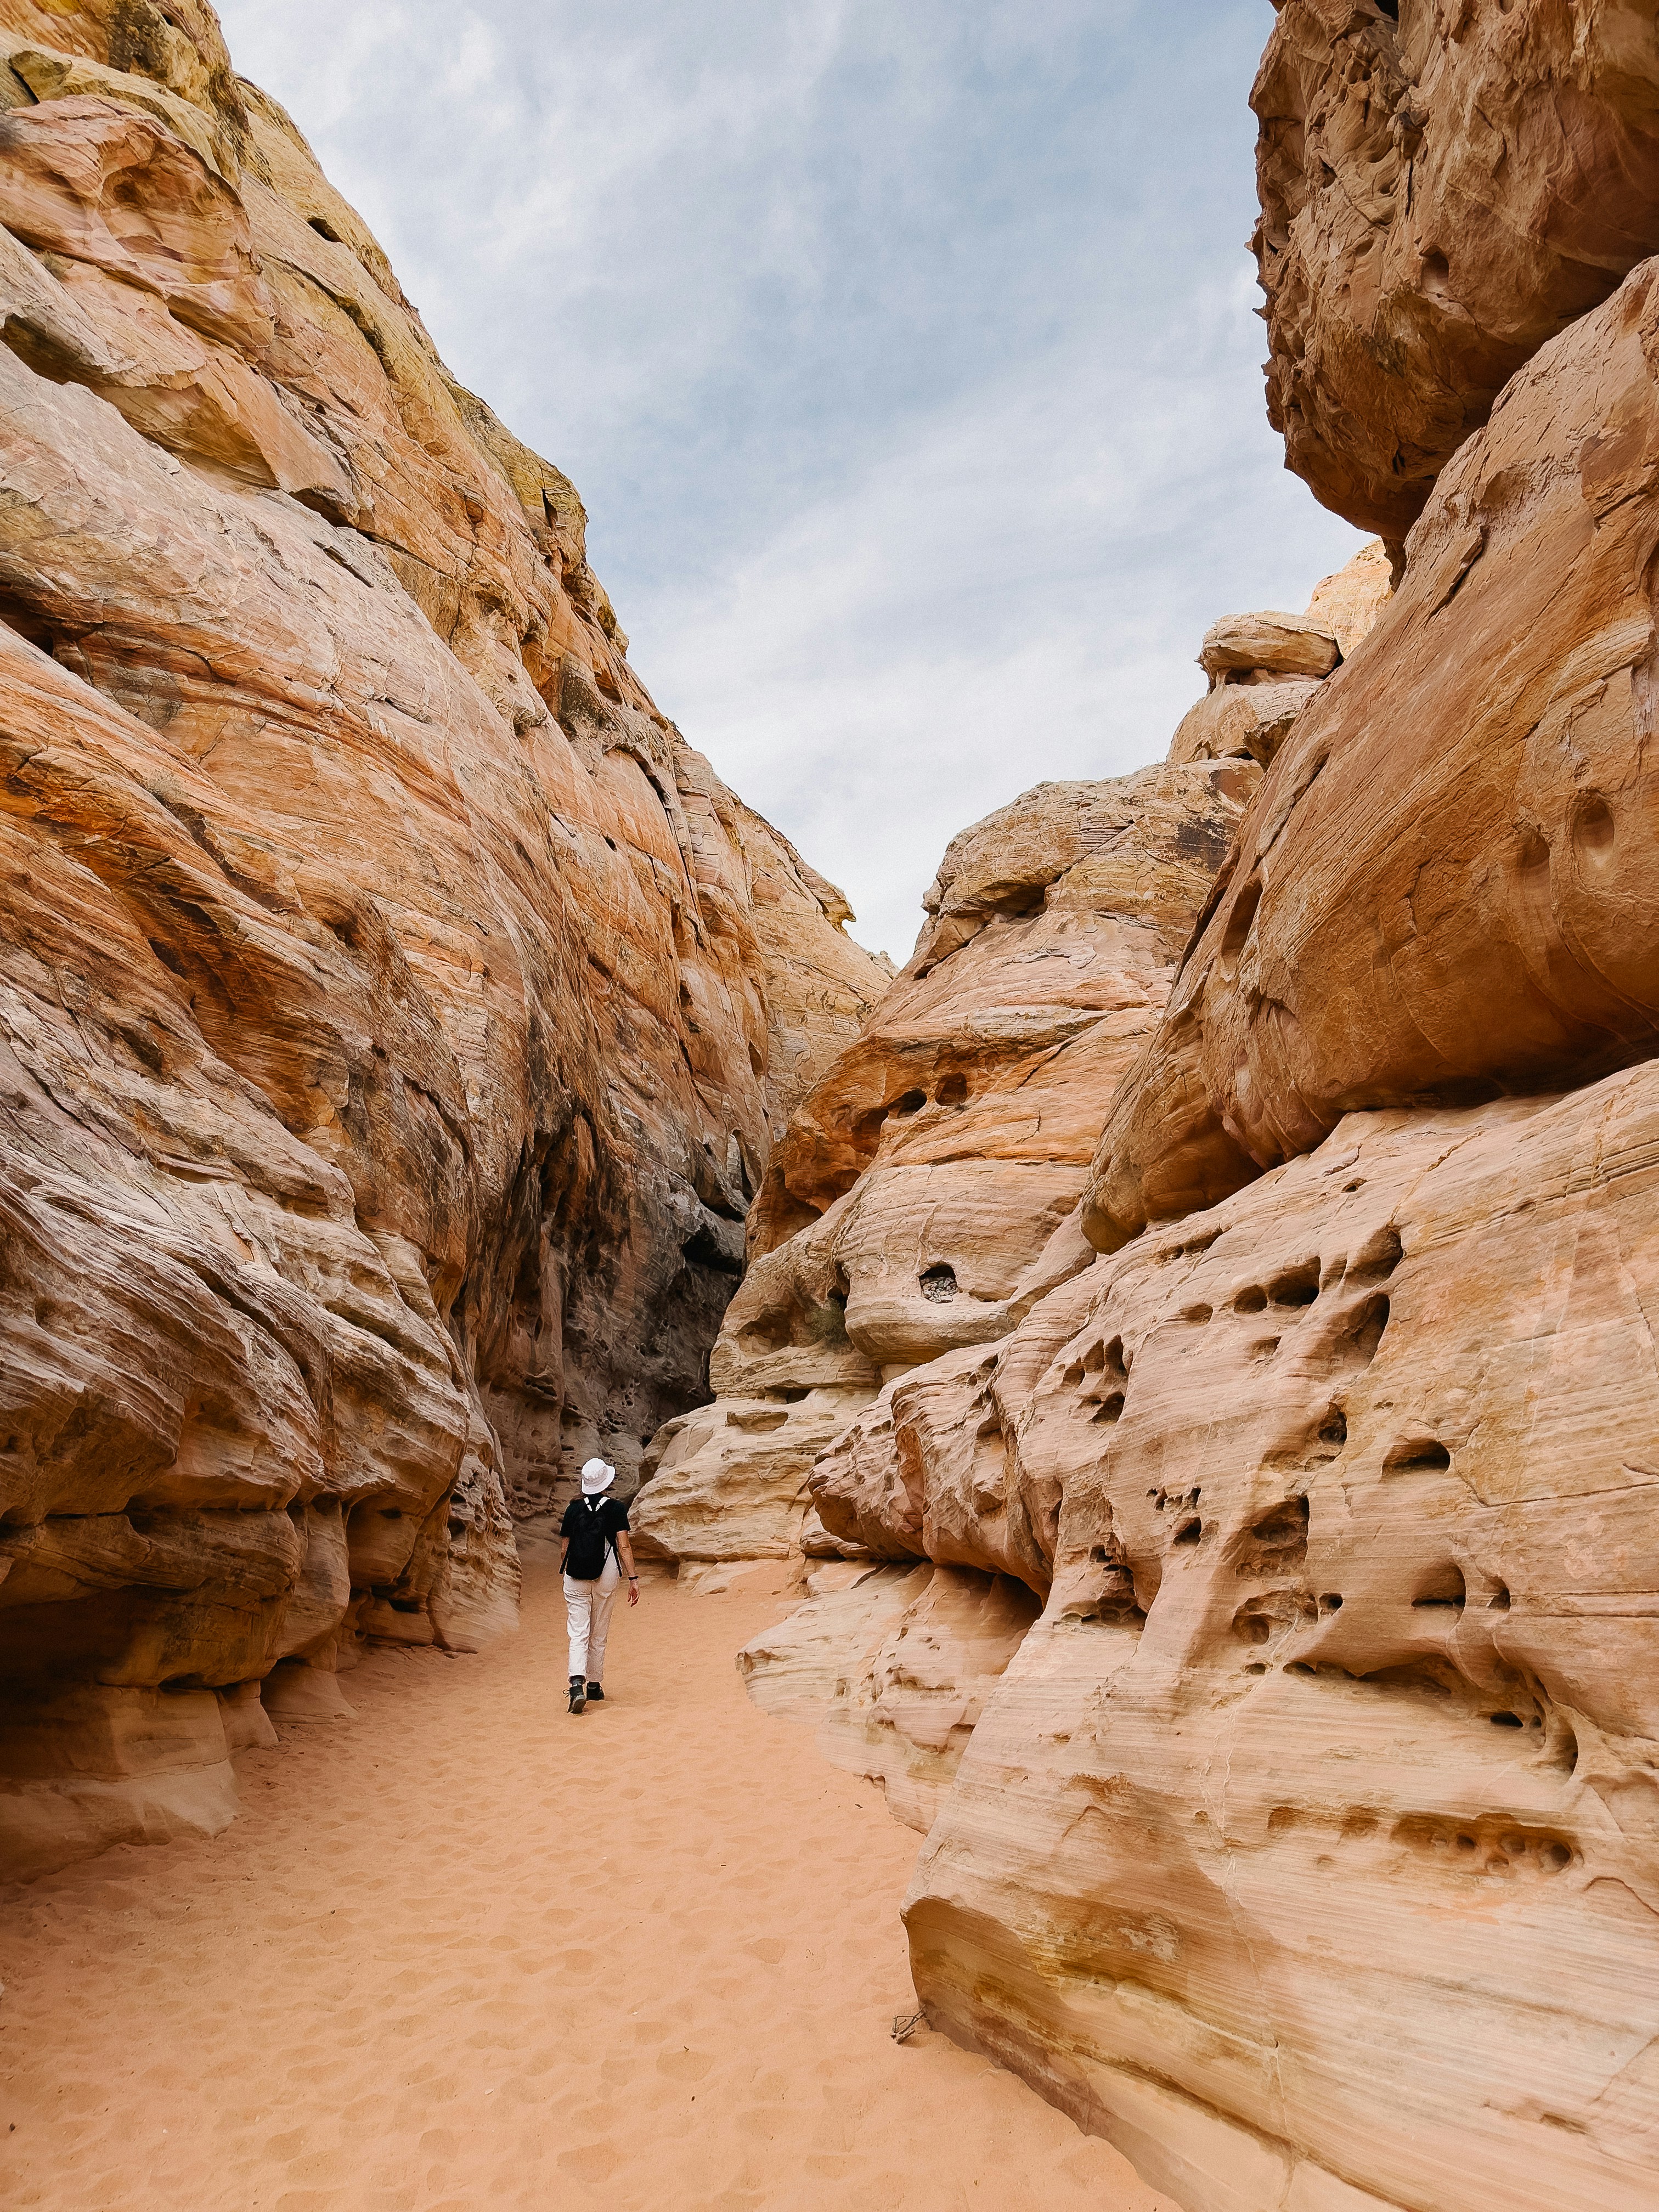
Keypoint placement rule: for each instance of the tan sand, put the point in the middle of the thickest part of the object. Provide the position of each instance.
(471, 1953)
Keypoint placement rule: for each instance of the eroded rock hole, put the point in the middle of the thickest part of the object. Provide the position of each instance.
(938, 1283)
(912, 1102)
(1251, 1301)
(1100, 1379)
(1408, 1681)
(1364, 1331)
(953, 1091)
(1285, 1528)
(1445, 1590)
(769, 1332)
(1377, 1257)
(1297, 1287)
(1239, 922)
(1418, 1457)
(1593, 831)
(1561, 1746)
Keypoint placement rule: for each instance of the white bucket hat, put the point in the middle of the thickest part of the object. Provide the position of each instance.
(596, 1477)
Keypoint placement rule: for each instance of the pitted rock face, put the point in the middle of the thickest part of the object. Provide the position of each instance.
(1351, 1520)
(1444, 186)
(933, 1173)
(395, 1013)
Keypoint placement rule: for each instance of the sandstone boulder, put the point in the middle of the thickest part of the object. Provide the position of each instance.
(729, 1481)
(1350, 601)
(1264, 668)
(1444, 186)
(1242, 721)
(1259, 648)
(893, 1672)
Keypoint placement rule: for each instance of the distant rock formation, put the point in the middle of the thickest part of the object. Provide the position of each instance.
(395, 1013)
(930, 1177)
(924, 1202)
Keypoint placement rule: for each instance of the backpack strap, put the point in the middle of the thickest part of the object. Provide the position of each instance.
(593, 1506)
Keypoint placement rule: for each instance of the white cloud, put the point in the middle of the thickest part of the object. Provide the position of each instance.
(904, 356)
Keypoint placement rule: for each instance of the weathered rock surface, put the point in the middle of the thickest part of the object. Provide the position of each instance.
(394, 1010)
(893, 1672)
(1444, 185)
(930, 1177)
(1264, 668)
(1310, 1847)
(1350, 601)
(1052, 925)
(1307, 1843)
(1447, 886)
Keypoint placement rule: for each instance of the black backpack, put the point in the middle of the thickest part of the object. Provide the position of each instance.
(584, 1560)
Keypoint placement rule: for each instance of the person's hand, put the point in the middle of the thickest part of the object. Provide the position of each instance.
(633, 1593)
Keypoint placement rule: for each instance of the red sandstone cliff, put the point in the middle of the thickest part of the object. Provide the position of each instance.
(394, 1010)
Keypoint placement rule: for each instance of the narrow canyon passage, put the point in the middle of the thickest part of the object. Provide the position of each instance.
(468, 1951)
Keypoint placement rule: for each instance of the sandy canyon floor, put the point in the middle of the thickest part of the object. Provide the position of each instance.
(467, 1951)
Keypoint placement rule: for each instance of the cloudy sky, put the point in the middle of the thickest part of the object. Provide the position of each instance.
(902, 351)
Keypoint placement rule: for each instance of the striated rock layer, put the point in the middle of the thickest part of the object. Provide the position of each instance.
(394, 1011)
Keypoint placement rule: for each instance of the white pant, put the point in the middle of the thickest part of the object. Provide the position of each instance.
(587, 1616)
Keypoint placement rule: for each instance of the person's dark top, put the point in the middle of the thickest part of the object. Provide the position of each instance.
(592, 1524)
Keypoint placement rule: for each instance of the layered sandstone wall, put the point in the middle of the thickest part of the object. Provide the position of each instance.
(396, 1013)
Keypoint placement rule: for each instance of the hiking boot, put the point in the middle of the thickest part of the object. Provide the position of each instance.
(578, 1694)
(595, 1695)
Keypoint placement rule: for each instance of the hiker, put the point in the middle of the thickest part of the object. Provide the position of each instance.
(593, 1552)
